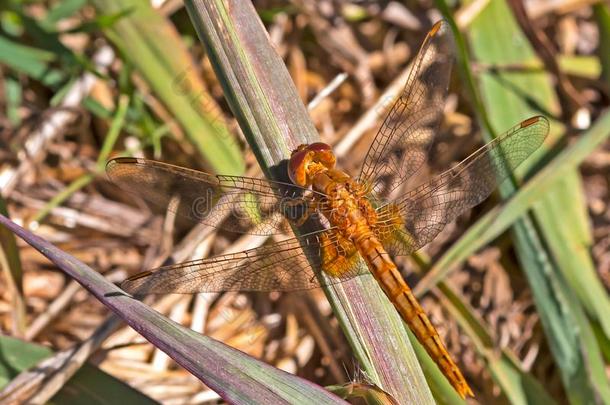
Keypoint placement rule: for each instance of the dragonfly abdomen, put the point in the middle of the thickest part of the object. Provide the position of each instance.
(387, 275)
(351, 215)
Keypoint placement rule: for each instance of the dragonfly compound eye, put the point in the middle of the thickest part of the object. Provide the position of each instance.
(296, 167)
(318, 147)
(309, 160)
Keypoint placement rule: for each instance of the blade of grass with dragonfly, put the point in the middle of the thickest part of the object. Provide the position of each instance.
(155, 48)
(274, 120)
(235, 376)
(508, 97)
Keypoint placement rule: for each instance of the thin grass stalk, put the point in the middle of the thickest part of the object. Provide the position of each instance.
(601, 11)
(262, 97)
(13, 275)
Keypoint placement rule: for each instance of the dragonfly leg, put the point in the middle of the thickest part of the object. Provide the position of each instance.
(309, 209)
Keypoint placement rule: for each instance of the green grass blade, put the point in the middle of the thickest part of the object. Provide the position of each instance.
(31, 61)
(14, 97)
(154, 47)
(82, 181)
(261, 94)
(509, 98)
(62, 196)
(113, 133)
(602, 15)
(61, 10)
(566, 326)
(580, 65)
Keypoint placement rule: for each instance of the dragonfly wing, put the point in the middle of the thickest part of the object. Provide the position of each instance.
(233, 203)
(403, 140)
(283, 266)
(416, 219)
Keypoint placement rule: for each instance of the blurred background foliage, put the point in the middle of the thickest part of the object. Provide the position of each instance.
(519, 291)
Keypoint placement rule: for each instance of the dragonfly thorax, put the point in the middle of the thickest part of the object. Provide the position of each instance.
(348, 209)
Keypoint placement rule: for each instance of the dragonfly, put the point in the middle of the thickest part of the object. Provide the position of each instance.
(370, 216)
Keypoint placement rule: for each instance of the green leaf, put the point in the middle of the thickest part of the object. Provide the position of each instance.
(62, 9)
(580, 65)
(14, 97)
(48, 40)
(99, 23)
(31, 61)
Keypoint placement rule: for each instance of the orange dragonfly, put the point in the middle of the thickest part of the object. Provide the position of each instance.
(354, 217)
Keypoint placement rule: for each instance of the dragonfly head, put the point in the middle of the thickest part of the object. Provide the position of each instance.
(309, 160)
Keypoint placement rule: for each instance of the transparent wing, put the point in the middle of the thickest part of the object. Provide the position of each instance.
(233, 203)
(402, 143)
(416, 219)
(283, 266)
